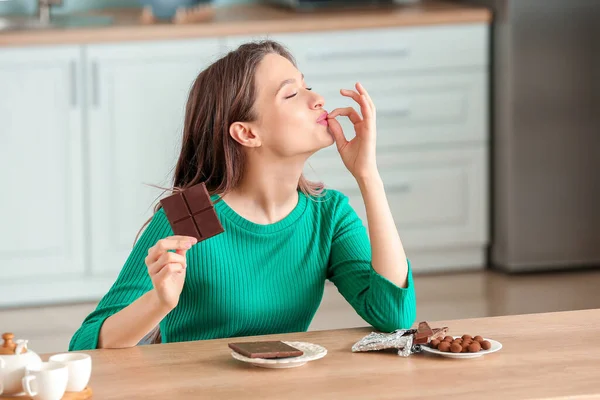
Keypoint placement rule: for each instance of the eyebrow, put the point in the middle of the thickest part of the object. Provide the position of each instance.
(287, 81)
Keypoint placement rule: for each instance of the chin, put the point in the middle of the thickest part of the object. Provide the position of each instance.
(319, 143)
(328, 139)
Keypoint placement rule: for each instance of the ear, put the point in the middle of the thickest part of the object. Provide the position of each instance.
(242, 133)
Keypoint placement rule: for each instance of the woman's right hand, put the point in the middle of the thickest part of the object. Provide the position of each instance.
(167, 269)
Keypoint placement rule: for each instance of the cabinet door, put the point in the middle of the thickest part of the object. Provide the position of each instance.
(41, 162)
(438, 198)
(137, 98)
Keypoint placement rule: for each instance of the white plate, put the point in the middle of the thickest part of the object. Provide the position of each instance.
(495, 347)
(311, 352)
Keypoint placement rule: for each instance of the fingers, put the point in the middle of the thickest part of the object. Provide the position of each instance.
(169, 243)
(166, 259)
(362, 97)
(349, 112)
(168, 270)
(337, 132)
(351, 93)
(361, 89)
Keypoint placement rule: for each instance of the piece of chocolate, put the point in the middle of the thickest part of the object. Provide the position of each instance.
(444, 347)
(439, 333)
(272, 349)
(191, 213)
(456, 348)
(474, 347)
(423, 334)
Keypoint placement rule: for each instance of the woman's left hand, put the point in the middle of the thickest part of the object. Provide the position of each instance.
(357, 154)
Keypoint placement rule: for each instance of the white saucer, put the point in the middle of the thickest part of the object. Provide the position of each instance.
(16, 395)
(495, 347)
(311, 352)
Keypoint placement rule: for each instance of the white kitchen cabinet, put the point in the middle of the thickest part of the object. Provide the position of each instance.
(420, 110)
(383, 50)
(136, 94)
(41, 160)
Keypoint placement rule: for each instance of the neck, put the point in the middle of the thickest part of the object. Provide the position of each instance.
(268, 191)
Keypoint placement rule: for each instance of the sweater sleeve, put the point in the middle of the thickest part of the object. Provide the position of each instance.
(133, 281)
(377, 300)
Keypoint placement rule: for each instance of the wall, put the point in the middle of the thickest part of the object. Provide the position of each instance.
(30, 6)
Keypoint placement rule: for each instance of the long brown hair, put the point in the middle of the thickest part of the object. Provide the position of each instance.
(223, 93)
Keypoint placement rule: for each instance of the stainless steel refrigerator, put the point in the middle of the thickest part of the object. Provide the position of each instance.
(545, 134)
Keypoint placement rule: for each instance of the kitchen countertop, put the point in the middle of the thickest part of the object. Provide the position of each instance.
(544, 356)
(250, 19)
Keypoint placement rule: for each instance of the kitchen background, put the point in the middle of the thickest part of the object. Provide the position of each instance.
(489, 135)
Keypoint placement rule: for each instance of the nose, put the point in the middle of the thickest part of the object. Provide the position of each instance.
(316, 101)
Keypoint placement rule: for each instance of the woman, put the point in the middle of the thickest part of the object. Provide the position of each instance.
(250, 125)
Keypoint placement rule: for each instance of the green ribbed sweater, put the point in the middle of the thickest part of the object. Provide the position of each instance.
(263, 279)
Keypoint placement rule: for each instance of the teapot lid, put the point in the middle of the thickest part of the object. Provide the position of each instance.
(9, 347)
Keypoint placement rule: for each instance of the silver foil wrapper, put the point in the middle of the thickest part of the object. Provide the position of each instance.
(401, 339)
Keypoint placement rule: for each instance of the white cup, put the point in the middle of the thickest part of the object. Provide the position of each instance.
(46, 382)
(80, 369)
(2, 365)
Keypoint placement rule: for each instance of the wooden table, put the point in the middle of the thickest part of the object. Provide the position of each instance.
(554, 355)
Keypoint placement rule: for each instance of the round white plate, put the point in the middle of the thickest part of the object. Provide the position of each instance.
(495, 347)
(311, 352)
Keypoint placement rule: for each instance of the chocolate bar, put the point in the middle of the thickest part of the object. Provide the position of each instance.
(424, 333)
(191, 213)
(273, 349)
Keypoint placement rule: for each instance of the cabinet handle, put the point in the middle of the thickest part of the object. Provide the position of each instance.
(403, 110)
(342, 55)
(95, 94)
(402, 188)
(73, 93)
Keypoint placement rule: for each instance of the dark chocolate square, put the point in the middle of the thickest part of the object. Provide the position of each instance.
(175, 207)
(186, 227)
(191, 213)
(208, 223)
(197, 199)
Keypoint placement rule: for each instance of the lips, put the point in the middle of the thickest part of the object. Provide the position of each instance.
(322, 119)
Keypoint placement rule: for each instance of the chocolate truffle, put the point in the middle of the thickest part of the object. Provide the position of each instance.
(434, 343)
(455, 348)
(474, 347)
(486, 345)
(448, 339)
(444, 347)
(467, 337)
(478, 339)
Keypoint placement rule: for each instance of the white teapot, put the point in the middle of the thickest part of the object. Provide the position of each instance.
(14, 358)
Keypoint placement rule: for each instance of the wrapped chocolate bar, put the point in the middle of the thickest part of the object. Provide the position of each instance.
(401, 339)
(406, 341)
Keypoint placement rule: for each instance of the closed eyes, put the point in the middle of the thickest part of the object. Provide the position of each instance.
(290, 96)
